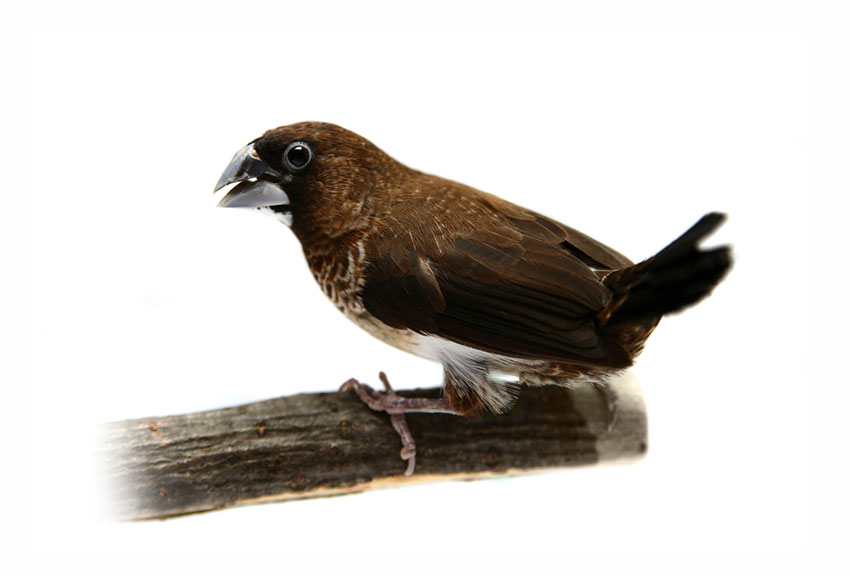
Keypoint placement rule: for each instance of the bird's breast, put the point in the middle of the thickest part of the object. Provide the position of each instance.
(339, 273)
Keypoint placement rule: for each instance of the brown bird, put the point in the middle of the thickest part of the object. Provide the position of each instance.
(500, 295)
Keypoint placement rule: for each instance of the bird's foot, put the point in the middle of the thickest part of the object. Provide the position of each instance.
(387, 401)
(611, 400)
(397, 406)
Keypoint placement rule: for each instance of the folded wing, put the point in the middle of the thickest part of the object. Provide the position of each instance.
(524, 286)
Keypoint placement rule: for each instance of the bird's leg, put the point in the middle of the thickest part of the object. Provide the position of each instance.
(397, 406)
(611, 399)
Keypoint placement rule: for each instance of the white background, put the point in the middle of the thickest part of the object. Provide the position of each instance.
(140, 298)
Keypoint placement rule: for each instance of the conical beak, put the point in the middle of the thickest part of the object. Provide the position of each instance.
(258, 184)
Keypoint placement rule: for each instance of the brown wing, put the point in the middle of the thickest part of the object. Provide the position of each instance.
(516, 284)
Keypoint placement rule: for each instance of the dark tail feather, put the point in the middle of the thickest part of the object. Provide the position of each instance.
(676, 277)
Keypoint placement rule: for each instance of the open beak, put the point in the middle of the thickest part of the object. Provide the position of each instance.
(258, 185)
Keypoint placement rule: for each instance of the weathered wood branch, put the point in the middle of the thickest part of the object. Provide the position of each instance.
(311, 445)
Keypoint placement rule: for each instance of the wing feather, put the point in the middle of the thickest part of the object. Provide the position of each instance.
(522, 286)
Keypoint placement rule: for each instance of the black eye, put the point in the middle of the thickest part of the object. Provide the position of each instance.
(297, 155)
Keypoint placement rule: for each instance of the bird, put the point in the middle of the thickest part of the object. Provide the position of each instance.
(502, 296)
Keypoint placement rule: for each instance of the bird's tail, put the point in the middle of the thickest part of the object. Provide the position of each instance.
(678, 276)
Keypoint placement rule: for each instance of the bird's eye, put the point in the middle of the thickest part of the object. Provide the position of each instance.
(297, 155)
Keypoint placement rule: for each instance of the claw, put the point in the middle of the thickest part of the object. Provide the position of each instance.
(397, 406)
(383, 377)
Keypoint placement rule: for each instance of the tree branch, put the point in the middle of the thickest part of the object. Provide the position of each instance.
(311, 445)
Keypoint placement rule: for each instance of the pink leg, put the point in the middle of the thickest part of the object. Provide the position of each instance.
(397, 406)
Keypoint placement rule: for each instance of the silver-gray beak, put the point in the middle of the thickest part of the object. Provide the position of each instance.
(251, 192)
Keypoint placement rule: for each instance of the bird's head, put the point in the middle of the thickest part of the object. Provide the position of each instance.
(315, 177)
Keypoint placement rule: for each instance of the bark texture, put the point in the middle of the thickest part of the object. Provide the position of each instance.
(311, 445)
